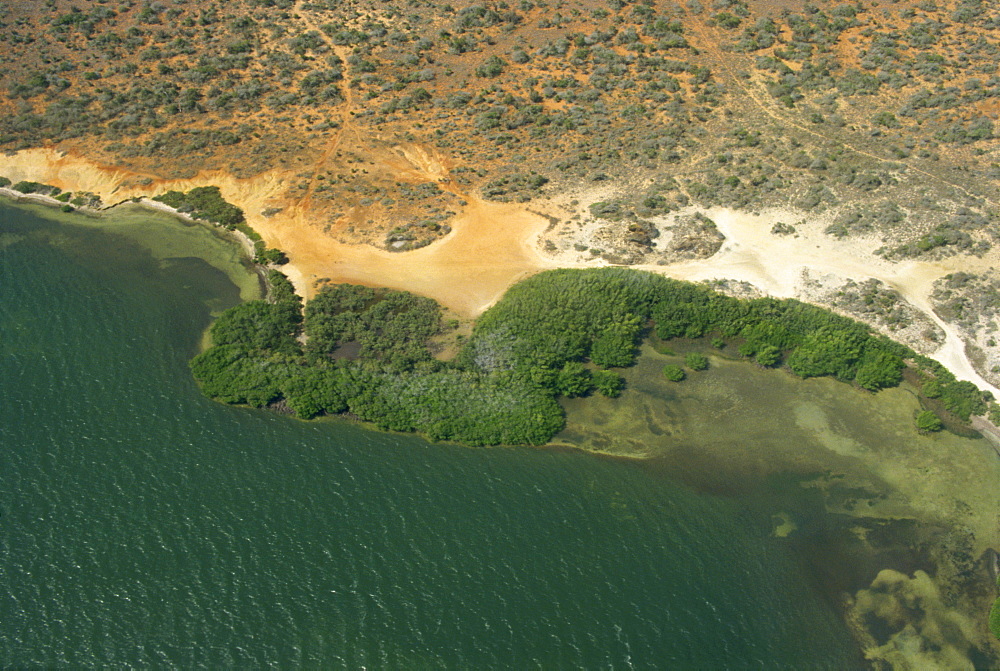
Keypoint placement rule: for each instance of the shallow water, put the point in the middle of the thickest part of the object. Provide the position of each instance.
(736, 425)
(141, 524)
(850, 486)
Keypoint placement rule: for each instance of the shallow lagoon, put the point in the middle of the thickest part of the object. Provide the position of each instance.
(849, 484)
(143, 524)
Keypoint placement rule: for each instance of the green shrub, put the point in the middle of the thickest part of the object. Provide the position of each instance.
(994, 413)
(573, 379)
(674, 373)
(696, 361)
(887, 119)
(493, 67)
(928, 422)
(931, 388)
(727, 20)
(608, 383)
(35, 187)
(768, 355)
(204, 202)
(391, 327)
(963, 398)
(272, 256)
(879, 370)
(258, 326)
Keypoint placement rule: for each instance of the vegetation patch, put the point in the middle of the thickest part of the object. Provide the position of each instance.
(417, 234)
(36, 187)
(555, 334)
(674, 373)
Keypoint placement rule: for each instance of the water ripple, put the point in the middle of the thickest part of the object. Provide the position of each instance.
(143, 525)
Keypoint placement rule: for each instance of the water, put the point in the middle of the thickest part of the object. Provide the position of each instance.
(143, 525)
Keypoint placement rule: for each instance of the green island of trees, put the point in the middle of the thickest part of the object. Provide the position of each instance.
(365, 351)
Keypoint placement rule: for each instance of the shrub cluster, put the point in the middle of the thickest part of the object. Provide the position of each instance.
(367, 353)
(552, 335)
(204, 202)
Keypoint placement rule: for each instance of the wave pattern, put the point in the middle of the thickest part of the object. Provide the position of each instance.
(142, 525)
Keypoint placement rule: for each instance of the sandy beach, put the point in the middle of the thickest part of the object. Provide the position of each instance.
(493, 245)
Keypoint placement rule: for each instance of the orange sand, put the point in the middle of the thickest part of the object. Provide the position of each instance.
(491, 246)
(494, 245)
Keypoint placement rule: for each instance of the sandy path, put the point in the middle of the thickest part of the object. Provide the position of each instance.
(346, 110)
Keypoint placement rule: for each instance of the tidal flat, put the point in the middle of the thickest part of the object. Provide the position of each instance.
(882, 517)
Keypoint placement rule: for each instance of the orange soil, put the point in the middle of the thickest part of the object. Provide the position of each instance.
(491, 246)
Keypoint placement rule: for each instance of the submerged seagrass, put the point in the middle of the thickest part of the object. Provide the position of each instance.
(145, 526)
(555, 334)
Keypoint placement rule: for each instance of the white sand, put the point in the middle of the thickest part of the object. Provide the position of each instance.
(493, 245)
(779, 265)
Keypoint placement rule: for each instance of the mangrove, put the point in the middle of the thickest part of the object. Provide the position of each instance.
(366, 351)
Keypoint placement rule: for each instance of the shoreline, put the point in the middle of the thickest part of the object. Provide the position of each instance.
(246, 245)
(240, 236)
(494, 245)
(148, 203)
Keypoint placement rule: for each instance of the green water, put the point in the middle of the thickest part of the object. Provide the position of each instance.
(143, 525)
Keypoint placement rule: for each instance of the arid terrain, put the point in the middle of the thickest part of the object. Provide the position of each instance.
(451, 149)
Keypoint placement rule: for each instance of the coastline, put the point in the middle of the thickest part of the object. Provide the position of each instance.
(807, 422)
(148, 203)
(240, 236)
(494, 245)
(243, 242)
(40, 199)
(232, 253)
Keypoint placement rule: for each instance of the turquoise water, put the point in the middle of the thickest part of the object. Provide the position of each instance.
(141, 524)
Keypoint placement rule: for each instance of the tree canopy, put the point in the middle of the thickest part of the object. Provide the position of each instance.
(366, 351)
